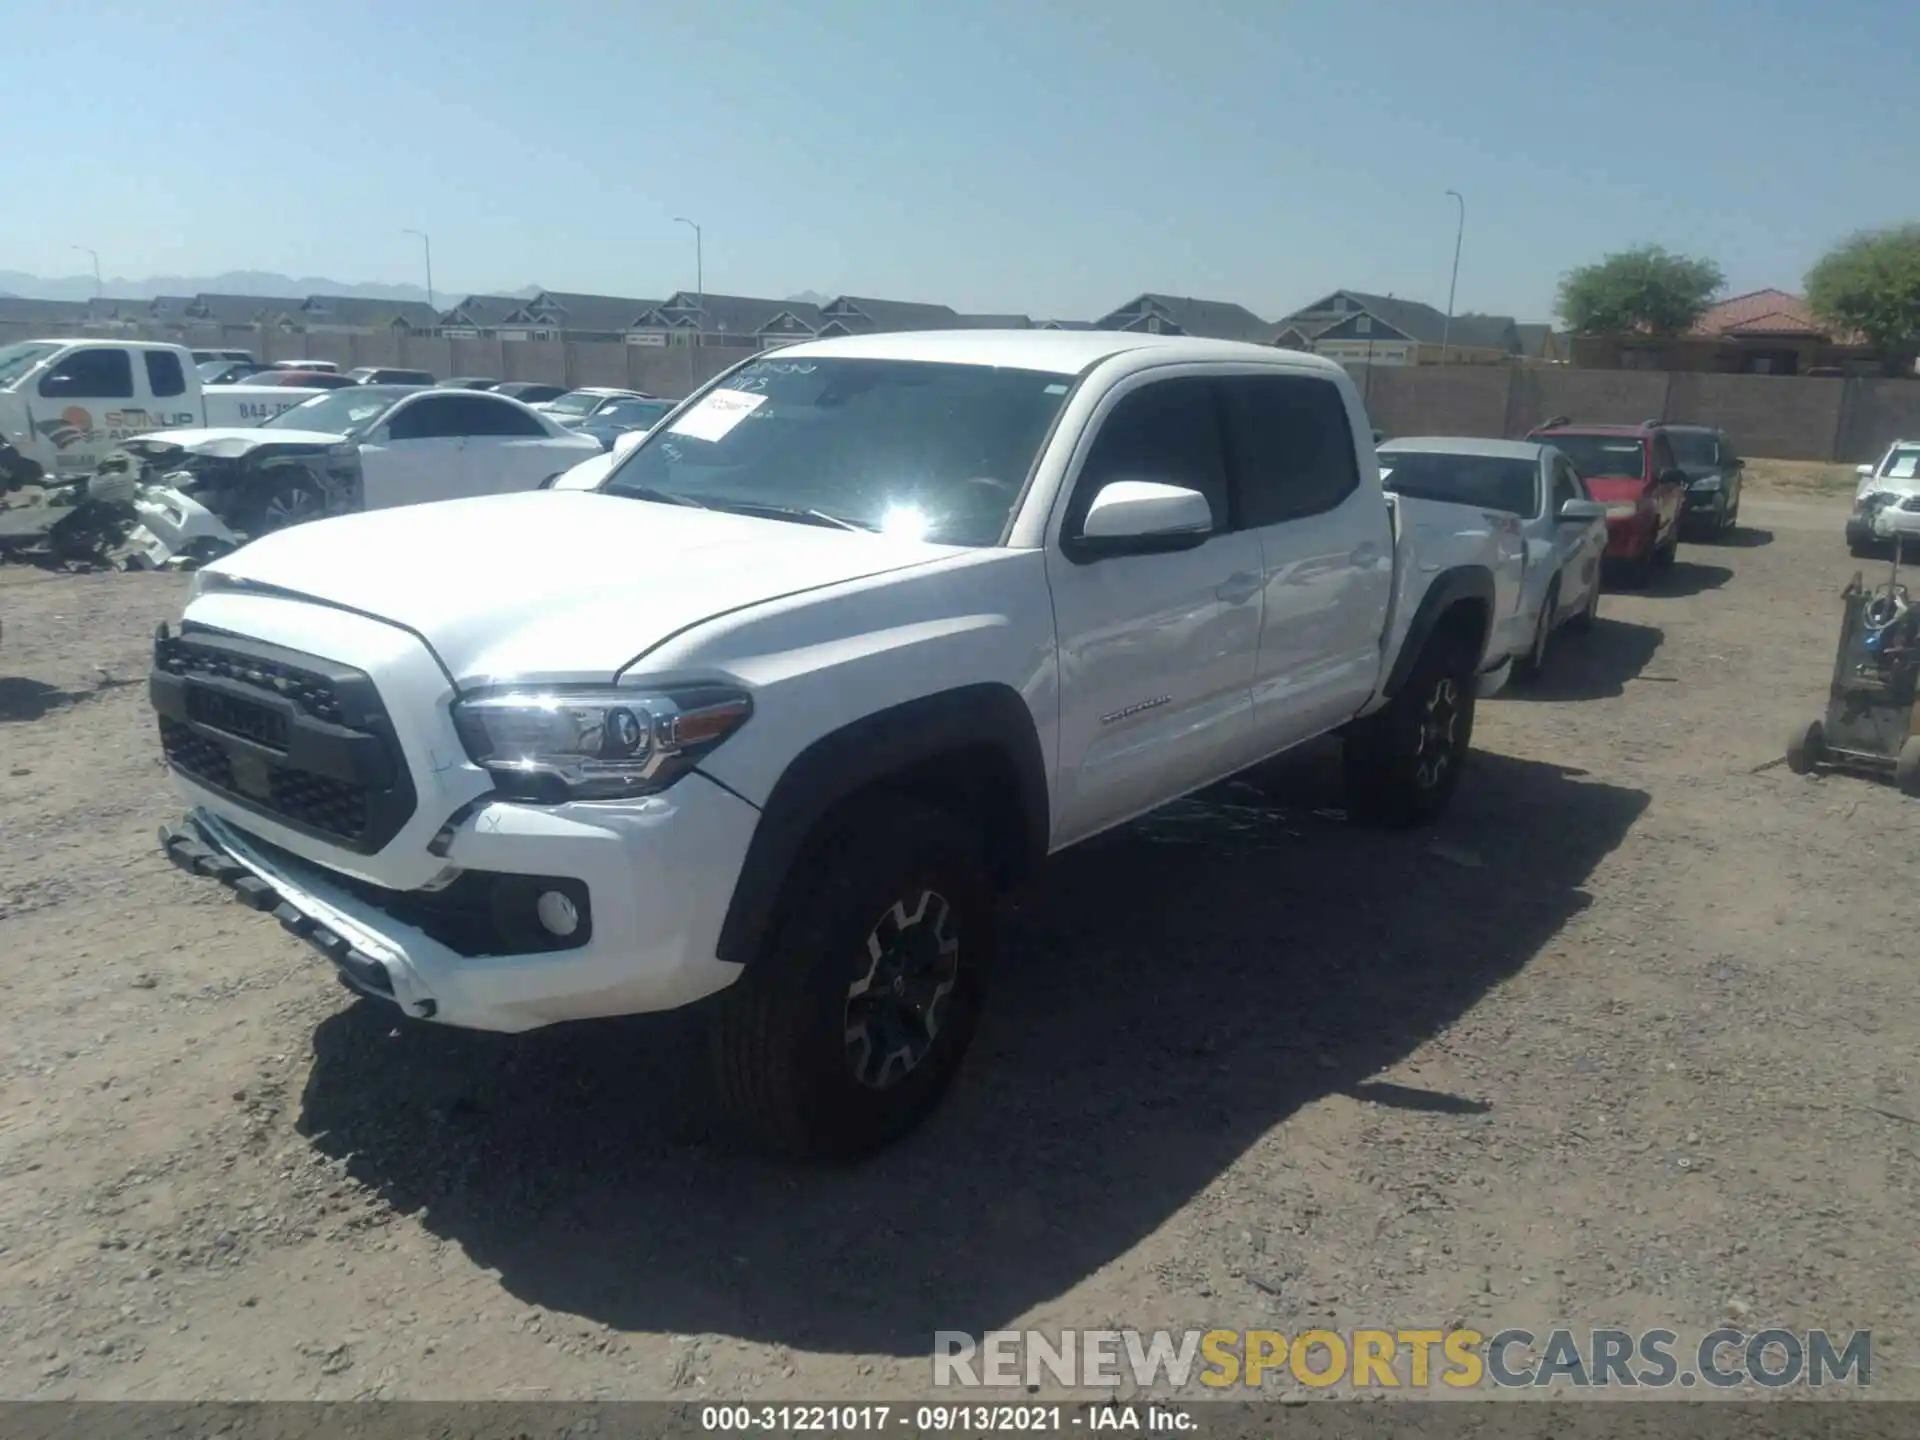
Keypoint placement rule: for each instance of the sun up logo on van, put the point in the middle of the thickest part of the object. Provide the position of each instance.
(69, 427)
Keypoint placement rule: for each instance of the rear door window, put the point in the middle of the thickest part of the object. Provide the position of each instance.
(1291, 444)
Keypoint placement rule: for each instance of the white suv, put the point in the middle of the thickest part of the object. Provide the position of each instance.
(848, 644)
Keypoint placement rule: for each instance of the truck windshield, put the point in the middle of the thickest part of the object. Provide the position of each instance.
(16, 360)
(340, 412)
(934, 451)
(1597, 455)
(1491, 482)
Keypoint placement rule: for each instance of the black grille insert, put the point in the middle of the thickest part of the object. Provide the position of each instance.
(299, 739)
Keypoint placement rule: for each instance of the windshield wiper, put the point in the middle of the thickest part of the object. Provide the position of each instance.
(660, 497)
(787, 512)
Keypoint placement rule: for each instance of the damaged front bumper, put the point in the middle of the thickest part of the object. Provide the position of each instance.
(176, 530)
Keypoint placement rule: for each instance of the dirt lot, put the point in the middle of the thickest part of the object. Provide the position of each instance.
(1630, 1040)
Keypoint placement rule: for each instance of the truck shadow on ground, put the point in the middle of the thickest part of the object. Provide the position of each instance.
(1742, 537)
(1593, 666)
(26, 700)
(1167, 995)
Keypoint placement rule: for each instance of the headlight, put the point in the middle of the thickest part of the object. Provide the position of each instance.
(551, 746)
(1622, 510)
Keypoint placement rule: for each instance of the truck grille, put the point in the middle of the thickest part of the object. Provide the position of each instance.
(294, 737)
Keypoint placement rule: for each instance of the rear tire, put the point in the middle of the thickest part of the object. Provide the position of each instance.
(1808, 748)
(847, 1027)
(1906, 767)
(1403, 762)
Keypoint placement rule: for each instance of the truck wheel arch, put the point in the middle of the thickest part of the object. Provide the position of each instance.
(973, 749)
(1465, 589)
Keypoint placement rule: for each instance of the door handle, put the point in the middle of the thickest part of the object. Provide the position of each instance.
(1238, 588)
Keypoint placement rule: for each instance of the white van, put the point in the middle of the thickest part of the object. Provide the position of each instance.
(67, 404)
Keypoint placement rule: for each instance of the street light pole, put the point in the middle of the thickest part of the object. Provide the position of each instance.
(98, 289)
(426, 246)
(1446, 331)
(699, 262)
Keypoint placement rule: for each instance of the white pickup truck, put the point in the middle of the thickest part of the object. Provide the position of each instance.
(849, 642)
(65, 405)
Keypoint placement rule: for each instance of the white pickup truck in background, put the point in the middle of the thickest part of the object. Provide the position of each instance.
(852, 639)
(65, 405)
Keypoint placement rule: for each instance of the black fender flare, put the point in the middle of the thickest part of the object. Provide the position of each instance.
(1449, 587)
(864, 754)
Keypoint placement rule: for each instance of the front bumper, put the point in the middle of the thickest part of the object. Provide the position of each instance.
(659, 874)
(1702, 503)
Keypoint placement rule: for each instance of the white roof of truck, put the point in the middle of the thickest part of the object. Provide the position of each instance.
(1063, 352)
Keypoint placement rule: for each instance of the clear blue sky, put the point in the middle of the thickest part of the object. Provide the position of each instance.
(1054, 156)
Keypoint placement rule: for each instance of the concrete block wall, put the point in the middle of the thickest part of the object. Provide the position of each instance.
(1771, 416)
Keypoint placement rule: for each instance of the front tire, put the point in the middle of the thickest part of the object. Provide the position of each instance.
(1664, 555)
(850, 1023)
(1906, 767)
(1590, 612)
(1403, 762)
(285, 502)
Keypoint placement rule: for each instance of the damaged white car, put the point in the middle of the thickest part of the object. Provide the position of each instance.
(365, 448)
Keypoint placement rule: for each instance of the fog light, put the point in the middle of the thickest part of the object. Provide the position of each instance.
(557, 913)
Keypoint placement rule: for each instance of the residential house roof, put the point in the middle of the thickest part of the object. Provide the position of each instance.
(1412, 319)
(241, 309)
(995, 322)
(568, 311)
(370, 314)
(862, 314)
(481, 311)
(1762, 312)
(1064, 325)
(1533, 338)
(1184, 315)
(732, 314)
(168, 309)
(106, 307)
(19, 310)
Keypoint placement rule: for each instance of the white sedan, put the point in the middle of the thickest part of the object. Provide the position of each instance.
(368, 447)
(1562, 528)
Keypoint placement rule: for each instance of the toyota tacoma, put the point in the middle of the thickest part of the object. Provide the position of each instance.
(764, 717)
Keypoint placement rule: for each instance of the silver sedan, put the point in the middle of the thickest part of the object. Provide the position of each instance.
(1563, 527)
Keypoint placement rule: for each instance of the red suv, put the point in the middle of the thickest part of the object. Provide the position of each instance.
(1634, 470)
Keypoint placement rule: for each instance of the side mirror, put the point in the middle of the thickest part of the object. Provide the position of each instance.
(1865, 472)
(1673, 475)
(1579, 512)
(1142, 517)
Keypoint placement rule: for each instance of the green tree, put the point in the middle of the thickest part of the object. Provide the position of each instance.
(1645, 291)
(1870, 282)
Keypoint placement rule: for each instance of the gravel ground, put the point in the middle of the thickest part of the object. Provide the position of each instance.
(1629, 1040)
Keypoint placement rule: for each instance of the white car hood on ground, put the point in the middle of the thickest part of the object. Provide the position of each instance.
(552, 586)
(236, 440)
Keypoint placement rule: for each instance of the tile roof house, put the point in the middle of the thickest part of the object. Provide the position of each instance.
(349, 313)
(477, 315)
(556, 315)
(1184, 315)
(688, 317)
(1763, 332)
(1355, 327)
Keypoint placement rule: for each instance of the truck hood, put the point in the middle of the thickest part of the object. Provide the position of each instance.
(230, 442)
(555, 586)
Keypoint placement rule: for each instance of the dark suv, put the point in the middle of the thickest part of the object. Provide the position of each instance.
(1636, 472)
(1713, 471)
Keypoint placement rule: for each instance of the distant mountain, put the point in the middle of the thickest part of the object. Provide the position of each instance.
(233, 282)
(805, 297)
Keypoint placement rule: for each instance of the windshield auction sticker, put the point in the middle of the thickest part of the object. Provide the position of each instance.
(718, 413)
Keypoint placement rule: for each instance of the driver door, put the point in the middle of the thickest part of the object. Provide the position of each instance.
(1156, 651)
(417, 454)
